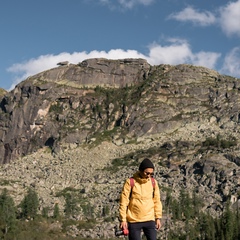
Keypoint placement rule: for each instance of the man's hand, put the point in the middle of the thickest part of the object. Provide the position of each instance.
(124, 225)
(158, 223)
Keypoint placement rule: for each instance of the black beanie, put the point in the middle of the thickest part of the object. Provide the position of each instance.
(146, 163)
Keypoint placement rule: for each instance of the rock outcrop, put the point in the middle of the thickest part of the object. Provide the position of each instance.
(73, 103)
(34, 114)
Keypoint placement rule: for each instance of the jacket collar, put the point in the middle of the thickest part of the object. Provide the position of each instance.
(138, 178)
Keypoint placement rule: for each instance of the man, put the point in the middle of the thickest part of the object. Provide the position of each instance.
(140, 205)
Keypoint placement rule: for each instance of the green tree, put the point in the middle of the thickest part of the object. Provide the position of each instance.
(105, 211)
(56, 212)
(30, 204)
(206, 226)
(197, 204)
(176, 210)
(71, 206)
(238, 223)
(45, 211)
(186, 204)
(7, 212)
(229, 223)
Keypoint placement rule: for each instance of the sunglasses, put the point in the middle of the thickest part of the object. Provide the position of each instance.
(148, 173)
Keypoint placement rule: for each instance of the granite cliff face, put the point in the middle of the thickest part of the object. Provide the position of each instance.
(60, 105)
(185, 118)
(136, 101)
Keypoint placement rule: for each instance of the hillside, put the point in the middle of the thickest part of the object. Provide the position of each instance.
(84, 128)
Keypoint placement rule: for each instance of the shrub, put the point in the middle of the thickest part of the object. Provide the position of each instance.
(220, 142)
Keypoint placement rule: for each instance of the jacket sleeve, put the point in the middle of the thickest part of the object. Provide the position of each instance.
(124, 201)
(157, 202)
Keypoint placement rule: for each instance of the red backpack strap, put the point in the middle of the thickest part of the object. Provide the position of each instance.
(132, 185)
(153, 182)
(131, 182)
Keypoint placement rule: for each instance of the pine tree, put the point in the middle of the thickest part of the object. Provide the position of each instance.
(206, 226)
(238, 223)
(56, 213)
(228, 223)
(176, 210)
(7, 212)
(186, 204)
(168, 203)
(30, 204)
(197, 203)
(71, 207)
(45, 211)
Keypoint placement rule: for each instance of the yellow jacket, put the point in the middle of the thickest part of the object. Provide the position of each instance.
(142, 206)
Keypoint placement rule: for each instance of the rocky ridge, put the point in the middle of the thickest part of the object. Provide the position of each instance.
(213, 174)
(57, 134)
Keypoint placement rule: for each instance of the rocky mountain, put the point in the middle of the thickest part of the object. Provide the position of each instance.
(87, 126)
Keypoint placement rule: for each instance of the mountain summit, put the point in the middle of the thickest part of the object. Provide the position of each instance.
(127, 100)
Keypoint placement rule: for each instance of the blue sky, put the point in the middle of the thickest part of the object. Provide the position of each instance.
(36, 35)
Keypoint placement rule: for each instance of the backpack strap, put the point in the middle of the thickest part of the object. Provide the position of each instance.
(153, 184)
(131, 182)
(132, 185)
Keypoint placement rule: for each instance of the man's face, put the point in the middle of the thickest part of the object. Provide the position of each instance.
(147, 173)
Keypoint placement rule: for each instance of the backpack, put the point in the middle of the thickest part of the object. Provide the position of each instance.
(132, 185)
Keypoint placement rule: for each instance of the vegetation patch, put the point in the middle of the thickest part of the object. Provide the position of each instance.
(4, 182)
(220, 142)
(56, 108)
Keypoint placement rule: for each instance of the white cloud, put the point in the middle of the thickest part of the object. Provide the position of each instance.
(126, 4)
(179, 51)
(231, 64)
(227, 17)
(230, 18)
(132, 3)
(206, 59)
(176, 51)
(190, 14)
